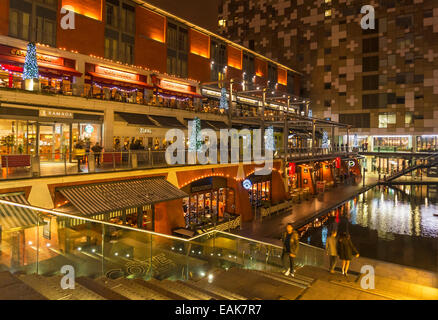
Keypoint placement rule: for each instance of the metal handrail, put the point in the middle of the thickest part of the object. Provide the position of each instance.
(66, 215)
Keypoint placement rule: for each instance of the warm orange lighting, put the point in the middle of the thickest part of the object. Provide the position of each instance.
(88, 8)
(174, 85)
(282, 76)
(235, 57)
(117, 74)
(199, 44)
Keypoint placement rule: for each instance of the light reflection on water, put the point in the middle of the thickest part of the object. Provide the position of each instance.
(395, 225)
(383, 211)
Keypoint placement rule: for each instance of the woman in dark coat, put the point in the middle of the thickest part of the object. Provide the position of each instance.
(346, 251)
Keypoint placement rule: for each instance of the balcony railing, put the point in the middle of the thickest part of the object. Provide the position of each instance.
(102, 249)
(24, 166)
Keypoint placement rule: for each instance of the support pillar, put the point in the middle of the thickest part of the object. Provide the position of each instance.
(108, 125)
(230, 105)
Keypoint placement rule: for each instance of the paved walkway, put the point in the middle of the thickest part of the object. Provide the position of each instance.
(269, 230)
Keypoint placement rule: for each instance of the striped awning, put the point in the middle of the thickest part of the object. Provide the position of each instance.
(13, 217)
(95, 199)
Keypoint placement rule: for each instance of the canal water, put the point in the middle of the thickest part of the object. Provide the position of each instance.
(393, 224)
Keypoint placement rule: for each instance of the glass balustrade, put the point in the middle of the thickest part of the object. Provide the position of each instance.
(53, 240)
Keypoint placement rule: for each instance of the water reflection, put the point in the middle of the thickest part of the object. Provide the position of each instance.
(395, 224)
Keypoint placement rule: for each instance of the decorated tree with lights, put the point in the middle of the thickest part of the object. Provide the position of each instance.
(325, 138)
(195, 140)
(31, 65)
(269, 139)
(224, 101)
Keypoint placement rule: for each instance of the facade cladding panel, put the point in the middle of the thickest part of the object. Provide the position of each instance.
(341, 62)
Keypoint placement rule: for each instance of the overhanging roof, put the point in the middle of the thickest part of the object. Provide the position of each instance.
(13, 217)
(94, 199)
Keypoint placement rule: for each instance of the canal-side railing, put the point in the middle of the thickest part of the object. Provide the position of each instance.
(96, 248)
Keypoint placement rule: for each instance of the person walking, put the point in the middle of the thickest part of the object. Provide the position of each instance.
(346, 251)
(97, 150)
(291, 242)
(79, 153)
(332, 250)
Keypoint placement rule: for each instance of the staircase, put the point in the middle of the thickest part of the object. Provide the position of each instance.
(432, 163)
(309, 283)
(221, 285)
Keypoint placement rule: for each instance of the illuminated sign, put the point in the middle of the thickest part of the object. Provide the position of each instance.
(351, 163)
(174, 86)
(89, 129)
(45, 113)
(40, 57)
(116, 73)
(246, 100)
(145, 131)
(247, 184)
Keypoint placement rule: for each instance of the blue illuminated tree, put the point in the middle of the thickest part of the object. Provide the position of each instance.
(31, 65)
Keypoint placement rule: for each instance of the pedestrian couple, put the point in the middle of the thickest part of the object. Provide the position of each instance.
(291, 243)
(341, 247)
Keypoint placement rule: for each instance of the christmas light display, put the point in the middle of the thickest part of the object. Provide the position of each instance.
(269, 139)
(31, 65)
(325, 142)
(224, 101)
(195, 140)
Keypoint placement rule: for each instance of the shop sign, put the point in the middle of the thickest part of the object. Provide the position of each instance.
(338, 163)
(145, 131)
(89, 129)
(292, 169)
(47, 234)
(40, 57)
(201, 188)
(174, 86)
(351, 163)
(116, 73)
(247, 184)
(44, 113)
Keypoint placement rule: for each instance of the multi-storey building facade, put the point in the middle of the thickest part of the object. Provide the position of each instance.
(383, 82)
(124, 51)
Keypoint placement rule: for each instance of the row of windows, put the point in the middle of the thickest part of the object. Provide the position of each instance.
(33, 21)
(386, 119)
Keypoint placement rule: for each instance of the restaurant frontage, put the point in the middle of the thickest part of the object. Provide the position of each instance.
(57, 74)
(48, 132)
(209, 201)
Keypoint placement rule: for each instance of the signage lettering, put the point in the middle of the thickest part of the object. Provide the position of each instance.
(55, 114)
(116, 73)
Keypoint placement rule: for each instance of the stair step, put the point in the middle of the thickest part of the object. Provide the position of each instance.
(220, 291)
(12, 288)
(100, 289)
(215, 295)
(295, 281)
(50, 287)
(187, 293)
(171, 295)
(147, 292)
(121, 289)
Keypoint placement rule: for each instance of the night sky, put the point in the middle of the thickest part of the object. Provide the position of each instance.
(200, 12)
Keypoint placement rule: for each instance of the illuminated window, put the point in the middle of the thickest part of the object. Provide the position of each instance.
(328, 13)
(328, 1)
(222, 23)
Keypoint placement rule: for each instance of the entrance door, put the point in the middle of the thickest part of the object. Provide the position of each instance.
(54, 141)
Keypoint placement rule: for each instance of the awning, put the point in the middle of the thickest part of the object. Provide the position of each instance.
(218, 124)
(204, 124)
(167, 122)
(181, 93)
(44, 68)
(117, 81)
(13, 217)
(94, 199)
(138, 119)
